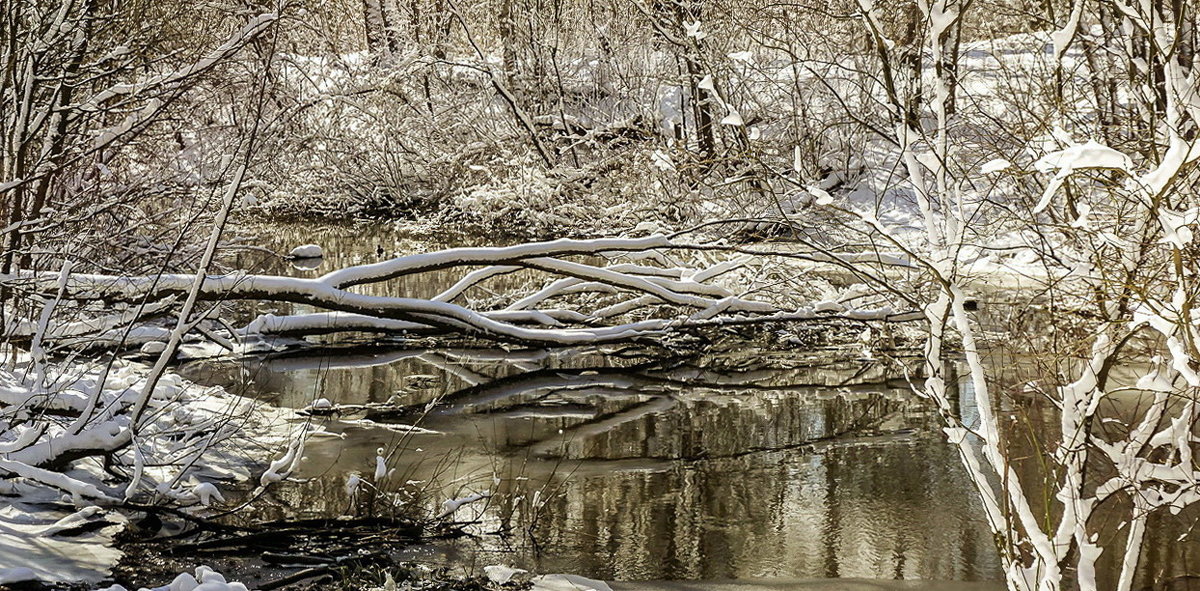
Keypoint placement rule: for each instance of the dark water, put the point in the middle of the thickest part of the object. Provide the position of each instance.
(742, 464)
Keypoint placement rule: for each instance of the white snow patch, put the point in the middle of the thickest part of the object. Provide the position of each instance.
(307, 251)
(353, 482)
(381, 470)
(568, 583)
(31, 551)
(153, 347)
(1067, 161)
(17, 574)
(1175, 226)
(994, 166)
(821, 196)
(501, 575)
(207, 492)
(733, 118)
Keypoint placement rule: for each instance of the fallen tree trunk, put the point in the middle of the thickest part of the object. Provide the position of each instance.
(690, 296)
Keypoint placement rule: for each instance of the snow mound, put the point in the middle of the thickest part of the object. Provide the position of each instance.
(321, 404)
(153, 347)
(307, 251)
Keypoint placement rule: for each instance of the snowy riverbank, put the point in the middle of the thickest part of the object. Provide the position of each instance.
(80, 451)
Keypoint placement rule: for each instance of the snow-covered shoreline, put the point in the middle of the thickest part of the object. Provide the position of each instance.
(63, 512)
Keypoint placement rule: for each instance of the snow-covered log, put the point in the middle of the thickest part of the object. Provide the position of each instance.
(668, 296)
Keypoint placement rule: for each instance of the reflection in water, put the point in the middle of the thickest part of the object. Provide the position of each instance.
(635, 470)
(874, 510)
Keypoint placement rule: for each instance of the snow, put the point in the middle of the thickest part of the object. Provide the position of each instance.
(207, 493)
(880, 205)
(1090, 155)
(1082, 221)
(282, 467)
(994, 166)
(452, 505)
(486, 255)
(661, 160)
(204, 579)
(822, 197)
(189, 431)
(307, 251)
(332, 290)
(153, 347)
(381, 470)
(31, 550)
(17, 574)
(252, 29)
(568, 583)
(318, 321)
(501, 574)
(733, 118)
(390, 426)
(353, 482)
(1175, 226)
(147, 113)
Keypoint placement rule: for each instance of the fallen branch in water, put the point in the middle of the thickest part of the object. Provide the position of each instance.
(645, 292)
